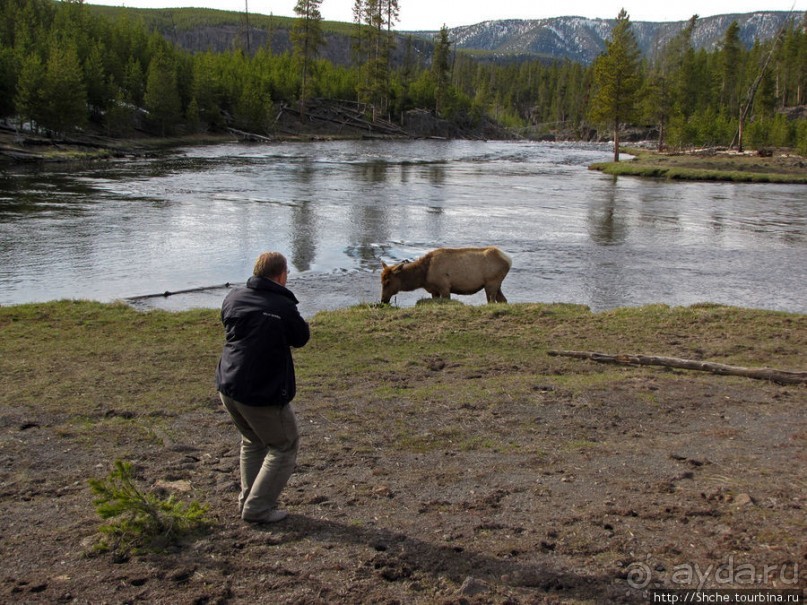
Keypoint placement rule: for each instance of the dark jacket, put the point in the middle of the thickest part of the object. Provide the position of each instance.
(261, 323)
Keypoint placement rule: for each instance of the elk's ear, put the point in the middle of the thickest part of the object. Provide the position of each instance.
(384, 265)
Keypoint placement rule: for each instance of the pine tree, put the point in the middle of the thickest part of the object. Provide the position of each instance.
(8, 82)
(307, 39)
(252, 107)
(801, 61)
(64, 91)
(30, 98)
(138, 520)
(95, 78)
(730, 69)
(664, 86)
(441, 70)
(162, 93)
(373, 46)
(206, 91)
(119, 118)
(134, 82)
(30, 24)
(617, 79)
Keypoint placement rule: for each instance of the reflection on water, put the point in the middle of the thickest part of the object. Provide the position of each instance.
(114, 230)
(607, 225)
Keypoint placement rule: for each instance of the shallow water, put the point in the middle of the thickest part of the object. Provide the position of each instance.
(337, 209)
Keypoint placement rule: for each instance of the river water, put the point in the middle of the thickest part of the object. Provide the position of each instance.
(200, 216)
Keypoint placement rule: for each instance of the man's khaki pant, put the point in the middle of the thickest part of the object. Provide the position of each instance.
(269, 443)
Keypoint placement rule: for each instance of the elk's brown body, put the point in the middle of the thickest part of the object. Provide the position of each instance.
(446, 271)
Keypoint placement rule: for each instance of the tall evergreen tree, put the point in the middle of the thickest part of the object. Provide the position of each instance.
(391, 12)
(162, 94)
(32, 22)
(801, 61)
(134, 82)
(731, 69)
(617, 79)
(64, 91)
(252, 106)
(664, 85)
(762, 83)
(95, 78)
(206, 91)
(307, 39)
(374, 43)
(120, 117)
(441, 69)
(8, 81)
(30, 98)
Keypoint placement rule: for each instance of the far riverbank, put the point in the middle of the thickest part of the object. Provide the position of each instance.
(781, 166)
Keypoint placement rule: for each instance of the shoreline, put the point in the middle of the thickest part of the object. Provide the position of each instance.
(776, 166)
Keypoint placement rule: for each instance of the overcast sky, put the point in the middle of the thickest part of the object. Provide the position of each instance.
(433, 14)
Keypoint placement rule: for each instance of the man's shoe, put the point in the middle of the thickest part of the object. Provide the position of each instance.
(272, 516)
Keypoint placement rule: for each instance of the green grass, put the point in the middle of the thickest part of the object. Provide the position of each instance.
(86, 358)
(110, 364)
(708, 167)
(694, 174)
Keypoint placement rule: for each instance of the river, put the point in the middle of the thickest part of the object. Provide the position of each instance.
(200, 216)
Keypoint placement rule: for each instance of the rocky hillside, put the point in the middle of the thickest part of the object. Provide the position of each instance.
(575, 38)
(581, 39)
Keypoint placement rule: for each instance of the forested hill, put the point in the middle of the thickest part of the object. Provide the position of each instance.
(581, 40)
(575, 38)
(70, 67)
(201, 30)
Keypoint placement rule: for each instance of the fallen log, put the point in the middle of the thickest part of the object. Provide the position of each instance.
(168, 293)
(250, 136)
(347, 114)
(773, 375)
(355, 120)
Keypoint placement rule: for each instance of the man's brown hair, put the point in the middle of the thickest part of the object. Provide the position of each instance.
(270, 265)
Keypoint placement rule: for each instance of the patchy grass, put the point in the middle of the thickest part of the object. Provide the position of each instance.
(733, 167)
(86, 358)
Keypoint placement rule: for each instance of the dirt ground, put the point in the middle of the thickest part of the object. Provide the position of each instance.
(666, 478)
(673, 479)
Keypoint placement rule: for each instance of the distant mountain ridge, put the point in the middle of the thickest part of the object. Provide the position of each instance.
(581, 39)
(577, 39)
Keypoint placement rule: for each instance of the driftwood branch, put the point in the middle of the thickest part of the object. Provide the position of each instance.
(168, 293)
(250, 136)
(778, 376)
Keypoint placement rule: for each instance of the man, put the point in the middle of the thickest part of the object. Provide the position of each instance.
(256, 383)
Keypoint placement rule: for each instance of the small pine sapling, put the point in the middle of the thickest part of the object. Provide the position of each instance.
(141, 521)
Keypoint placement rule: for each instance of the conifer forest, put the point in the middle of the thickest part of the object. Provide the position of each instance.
(67, 66)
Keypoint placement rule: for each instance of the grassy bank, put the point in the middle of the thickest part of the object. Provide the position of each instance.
(98, 366)
(733, 167)
(81, 358)
(445, 456)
